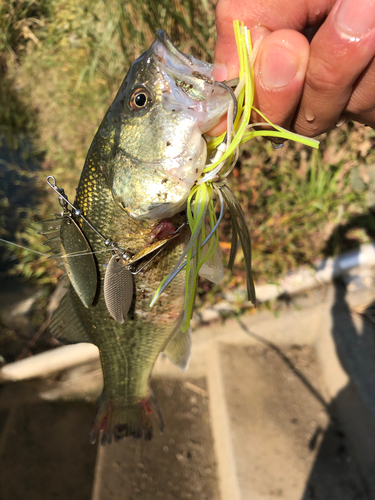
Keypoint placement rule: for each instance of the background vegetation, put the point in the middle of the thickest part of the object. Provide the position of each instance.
(61, 63)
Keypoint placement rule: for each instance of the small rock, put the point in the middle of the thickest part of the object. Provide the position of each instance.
(267, 292)
(359, 278)
(239, 295)
(209, 314)
(224, 306)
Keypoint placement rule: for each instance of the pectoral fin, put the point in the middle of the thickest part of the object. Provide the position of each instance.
(178, 349)
(78, 260)
(212, 268)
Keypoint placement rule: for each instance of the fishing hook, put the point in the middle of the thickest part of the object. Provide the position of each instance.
(235, 104)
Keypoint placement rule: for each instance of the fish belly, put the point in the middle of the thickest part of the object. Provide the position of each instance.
(128, 353)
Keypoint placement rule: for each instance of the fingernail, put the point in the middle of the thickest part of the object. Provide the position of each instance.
(278, 67)
(356, 17)
(220, 72)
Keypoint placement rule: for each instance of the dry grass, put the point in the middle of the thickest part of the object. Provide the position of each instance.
(62, 62)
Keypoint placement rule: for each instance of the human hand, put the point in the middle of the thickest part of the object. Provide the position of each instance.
(307, 87)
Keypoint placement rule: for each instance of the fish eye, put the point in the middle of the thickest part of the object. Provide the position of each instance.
(139, 98)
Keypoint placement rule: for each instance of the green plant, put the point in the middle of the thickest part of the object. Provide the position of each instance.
(61, 64)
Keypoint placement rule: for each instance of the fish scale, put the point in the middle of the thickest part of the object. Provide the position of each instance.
(138, 173)
(135, 344)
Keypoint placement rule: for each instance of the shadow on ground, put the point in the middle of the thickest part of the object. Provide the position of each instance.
(333, 476)
(344, 450)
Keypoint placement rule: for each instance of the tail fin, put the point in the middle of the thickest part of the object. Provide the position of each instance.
(118, 421)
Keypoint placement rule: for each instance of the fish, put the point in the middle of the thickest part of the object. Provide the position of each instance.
(127, 229)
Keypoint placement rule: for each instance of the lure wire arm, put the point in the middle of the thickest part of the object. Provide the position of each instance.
(63, 199)
(134, 273)
(64, 202)
(176, 233)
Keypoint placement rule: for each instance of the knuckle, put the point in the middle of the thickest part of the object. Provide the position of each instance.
(360, 102)
(326, 75)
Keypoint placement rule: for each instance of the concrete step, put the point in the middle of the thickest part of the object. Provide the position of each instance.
(178, 464)
(280, 423)
(272, 406)
(45, 453)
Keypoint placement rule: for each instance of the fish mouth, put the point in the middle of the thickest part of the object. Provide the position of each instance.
(188, 84)
(200, 69)
(180, 64)
(163, 37)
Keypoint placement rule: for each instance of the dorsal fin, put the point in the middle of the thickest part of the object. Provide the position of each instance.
(178, 349)
(51, 231)
(66, 325)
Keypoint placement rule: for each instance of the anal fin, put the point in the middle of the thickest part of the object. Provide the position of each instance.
(178, 349)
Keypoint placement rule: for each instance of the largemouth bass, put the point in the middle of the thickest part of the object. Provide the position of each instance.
(145, 157)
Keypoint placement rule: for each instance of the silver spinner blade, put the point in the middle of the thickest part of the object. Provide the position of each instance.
(118, 289)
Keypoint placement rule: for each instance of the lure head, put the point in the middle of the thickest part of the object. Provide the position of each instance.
(151, 145)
